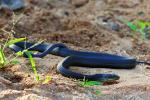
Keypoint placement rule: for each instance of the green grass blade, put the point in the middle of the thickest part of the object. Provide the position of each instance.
(132, 26)
(2, 57)
(14, 41)
(32, 61)
(15, 62)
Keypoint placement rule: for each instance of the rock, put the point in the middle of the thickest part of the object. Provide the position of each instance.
(107, 23)
(3, 23)
(138, 96)
(61, 13)
(12, 4)
(100, 5)
(32, 97)
(59, 3)
(125, 44)
(114, 26)
(129, 3)
(62, 1)
(74, 96)
(2, 86)
(136, 2)
(111, 24)
(5, 81)
(9, 94)
(79, 3)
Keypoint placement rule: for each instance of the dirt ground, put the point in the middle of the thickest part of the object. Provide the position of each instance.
(90, 25)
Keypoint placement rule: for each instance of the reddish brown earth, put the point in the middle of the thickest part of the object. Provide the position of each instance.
(78, 24)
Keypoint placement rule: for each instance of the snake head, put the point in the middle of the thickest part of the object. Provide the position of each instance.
(106, 77)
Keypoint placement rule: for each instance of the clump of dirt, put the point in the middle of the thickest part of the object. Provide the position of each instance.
(14, 78)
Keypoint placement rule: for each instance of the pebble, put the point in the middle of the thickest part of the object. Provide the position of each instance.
(61, 13)
(108, 23)
(79, 3)
(114, 26)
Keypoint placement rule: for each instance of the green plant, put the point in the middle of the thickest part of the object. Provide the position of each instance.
(3, 59)
(47, 79)
(138, 26)
(33, 64)
(32, 61)
(10, 40)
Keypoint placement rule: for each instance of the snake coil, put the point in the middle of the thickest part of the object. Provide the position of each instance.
(79, 58)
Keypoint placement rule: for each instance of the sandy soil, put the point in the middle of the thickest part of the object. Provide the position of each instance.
(82, 25)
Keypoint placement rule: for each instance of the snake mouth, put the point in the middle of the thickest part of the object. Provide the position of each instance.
(108, 77)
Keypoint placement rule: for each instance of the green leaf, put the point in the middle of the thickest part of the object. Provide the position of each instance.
(129, 24)
(90, 83)
(141, 24)
(132, 26)
(2, 57)
(20, 53)
(48, 79)
(15, 41)
(15, 62)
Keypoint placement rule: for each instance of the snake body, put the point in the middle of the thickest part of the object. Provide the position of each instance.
(80, 59)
